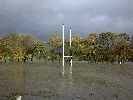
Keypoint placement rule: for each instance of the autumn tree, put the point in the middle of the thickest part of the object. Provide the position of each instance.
(55, 47)
(104, 50)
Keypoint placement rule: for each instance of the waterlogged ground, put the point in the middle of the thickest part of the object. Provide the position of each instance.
(43, 81)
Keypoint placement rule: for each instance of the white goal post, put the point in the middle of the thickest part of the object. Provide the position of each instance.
(63, 40)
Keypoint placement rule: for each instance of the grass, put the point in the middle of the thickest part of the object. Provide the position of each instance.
(103, 81)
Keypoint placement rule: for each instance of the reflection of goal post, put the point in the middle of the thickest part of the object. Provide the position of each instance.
(70, 56)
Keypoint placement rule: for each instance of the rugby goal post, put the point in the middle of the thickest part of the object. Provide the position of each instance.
(64, 56)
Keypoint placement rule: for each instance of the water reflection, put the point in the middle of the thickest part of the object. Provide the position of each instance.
(66, 86)
(67, 80)
(39, 82)
(12, 79)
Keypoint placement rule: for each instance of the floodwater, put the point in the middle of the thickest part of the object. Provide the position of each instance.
(44, 81)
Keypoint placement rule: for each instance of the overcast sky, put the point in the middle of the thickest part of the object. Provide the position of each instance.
(43, 17)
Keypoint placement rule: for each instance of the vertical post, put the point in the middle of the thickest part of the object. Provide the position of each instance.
(63, 28)
(70, 37)
(70, 56)
(70, 47)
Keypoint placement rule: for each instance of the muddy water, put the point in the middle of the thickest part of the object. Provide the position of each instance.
(45, 82)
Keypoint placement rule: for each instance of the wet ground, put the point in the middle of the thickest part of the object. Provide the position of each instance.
(44, 81)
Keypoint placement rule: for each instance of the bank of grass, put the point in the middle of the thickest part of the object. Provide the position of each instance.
(101, 76)
(97, 73)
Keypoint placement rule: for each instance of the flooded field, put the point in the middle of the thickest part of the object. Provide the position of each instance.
(87, 82)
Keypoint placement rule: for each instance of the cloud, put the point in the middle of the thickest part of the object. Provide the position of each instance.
(44, 17)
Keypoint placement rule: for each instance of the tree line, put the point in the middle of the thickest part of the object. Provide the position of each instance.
(94, 48)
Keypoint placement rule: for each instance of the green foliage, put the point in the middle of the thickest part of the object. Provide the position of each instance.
(103, 47)
(20, 48)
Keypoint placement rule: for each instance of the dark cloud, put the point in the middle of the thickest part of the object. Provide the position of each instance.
(42, 17)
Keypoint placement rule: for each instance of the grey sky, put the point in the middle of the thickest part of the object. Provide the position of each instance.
(42, 17)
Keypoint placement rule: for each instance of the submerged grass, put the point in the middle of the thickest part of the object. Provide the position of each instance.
(114, 79)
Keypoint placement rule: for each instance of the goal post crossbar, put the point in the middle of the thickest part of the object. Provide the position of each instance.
(67, 56)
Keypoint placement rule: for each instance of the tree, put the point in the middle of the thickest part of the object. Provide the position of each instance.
(20, 48)
(103, 47)
(28, 43)
(88, 47)
(104, 50)
(5, 52)
(55, 41)
(76, 46)
(39, 51)
(121, 47)
(130, 51)
(55, 47)
(13, 42)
